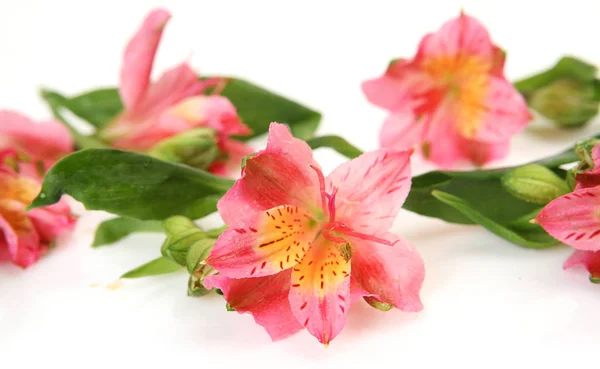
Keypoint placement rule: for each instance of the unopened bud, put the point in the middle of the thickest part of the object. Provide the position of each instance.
(568, 103)
(197, 148)
(196, 281)
(534, 183)
(377, 304)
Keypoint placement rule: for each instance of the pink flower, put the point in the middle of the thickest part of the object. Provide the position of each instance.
(39, 145)
(26, 235)
(301, 247)
(451, 99)
(574, 219)
(173, 104)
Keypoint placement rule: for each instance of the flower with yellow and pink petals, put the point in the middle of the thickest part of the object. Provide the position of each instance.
(451, 100)
(173, 104)
(27, 151)
(302, 247)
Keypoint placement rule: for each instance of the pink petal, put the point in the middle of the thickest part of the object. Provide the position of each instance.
(504, 113)
(212, 111)
(574, 219)
(172, 87)
(372, 189)
(47, 141)
(461, 36)
(401, 130)
(20, 237)
(442, 142)
(480, 153)
(276, 241)
(279, 175)
(394, 90)
(235, 151)
(139, 58)
(392, 274)
(265, 298)
(52, 221)
(320, 294)
(589, 259)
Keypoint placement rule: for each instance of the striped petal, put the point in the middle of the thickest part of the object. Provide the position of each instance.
(320, 294)
(392, 274)
(372, 189)
(265, 298)
(574, 219)
(280, 174)
(277, 241)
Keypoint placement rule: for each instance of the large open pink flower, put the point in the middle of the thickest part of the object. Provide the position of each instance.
(451, 100)
(39, 145)
(301, 247)
(175, 103)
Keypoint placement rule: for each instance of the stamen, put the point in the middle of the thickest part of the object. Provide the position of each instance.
(324, 195)
(332, 204)
(344, 229)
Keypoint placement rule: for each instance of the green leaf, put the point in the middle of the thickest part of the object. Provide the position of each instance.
(132, 185)
(482, 189)
(98, 107)
(56, 102)
(336, 143)
(566, 68)
(535, 240)
(259, 107)
(155, 267)
(113, 230)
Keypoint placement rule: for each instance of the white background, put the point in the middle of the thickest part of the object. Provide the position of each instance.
(487, 302)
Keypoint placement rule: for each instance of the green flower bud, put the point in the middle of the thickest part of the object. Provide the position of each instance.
(197, 148)
(583, 150)
(568, 103)
(534, 183)
(196, 281)
(378, 304)
(182, 235)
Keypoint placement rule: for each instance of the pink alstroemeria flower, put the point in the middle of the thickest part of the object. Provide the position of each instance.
(451, 100)
(574, 219)
(26, 235)
(39, 145)
(301, 247)
(173, 104)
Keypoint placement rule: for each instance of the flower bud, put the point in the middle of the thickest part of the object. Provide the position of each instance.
(196, 281)
(183, 236)
(197, 148)
(377, 304)
(568, 103)
(534, 183)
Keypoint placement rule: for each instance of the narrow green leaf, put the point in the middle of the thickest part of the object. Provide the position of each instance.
(132, 185)
(155, 267)
(55, 102)
(499, 230)
(113, 230)
(259, 107)
(336, 143)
